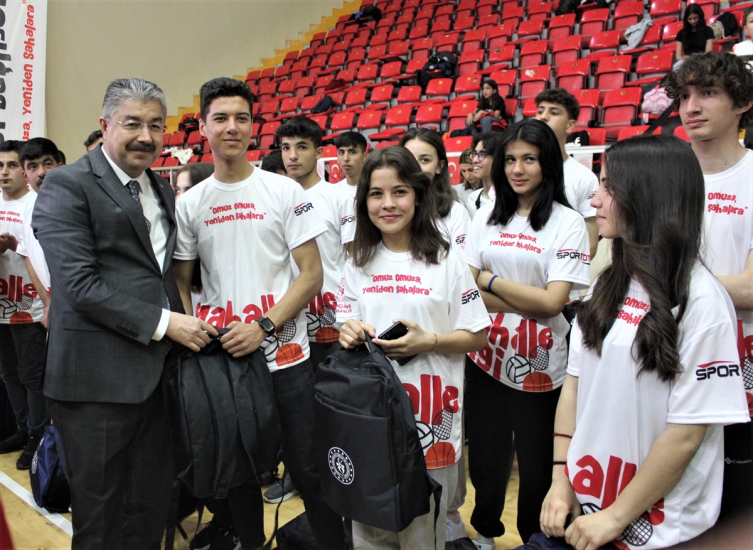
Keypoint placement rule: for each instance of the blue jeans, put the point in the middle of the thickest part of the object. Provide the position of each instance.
(486, 125)
(22, 351)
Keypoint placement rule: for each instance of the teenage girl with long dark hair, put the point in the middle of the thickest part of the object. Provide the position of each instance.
(653, 373)
(527, 250)
(490, 108)
(695, 36)
(402, 268)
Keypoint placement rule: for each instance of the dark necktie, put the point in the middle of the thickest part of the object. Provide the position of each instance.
(135, 188)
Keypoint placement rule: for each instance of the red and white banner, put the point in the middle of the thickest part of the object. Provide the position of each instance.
(23, 49)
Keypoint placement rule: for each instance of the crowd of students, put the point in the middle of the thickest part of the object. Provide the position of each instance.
(630, 424)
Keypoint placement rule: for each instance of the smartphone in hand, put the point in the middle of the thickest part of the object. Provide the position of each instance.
(398, 330)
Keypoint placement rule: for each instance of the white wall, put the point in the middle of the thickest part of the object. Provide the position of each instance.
(179, 45)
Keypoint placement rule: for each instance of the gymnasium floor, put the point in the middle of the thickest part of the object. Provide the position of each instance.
(33, 530)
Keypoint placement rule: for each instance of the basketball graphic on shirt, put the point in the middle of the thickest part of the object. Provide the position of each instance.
(327, 334)
(539, 359)
(21, 318)
(425, 435)
(7, 308)
(638, 532)
(518, 368)
(440, 455)
(747, 364)
(537, 381)
(25, 303)
(441, 425)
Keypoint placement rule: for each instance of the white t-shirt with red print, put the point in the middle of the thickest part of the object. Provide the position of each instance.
(581, 185)
(19, 301)
(29, 247)
(337, 210)
(441, 299)
(454, 226)
(620, 414)
(346, 188)
(243, 233)
(728, 241)
(524, 353)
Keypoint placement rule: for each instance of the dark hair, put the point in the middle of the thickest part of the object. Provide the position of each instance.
(94, 136)
(690, 10)
(272, 162)
(197, 172)
(302, 127)
(747, 14)
(427, 244)
(465, 158)
(491, 142)
(725, 70)
(441, 190)
(36, 148)
(351, 139)
(552, 187)
(560, 96)
(61, 157)
(657, 188)
(224, 87)
(10, 146)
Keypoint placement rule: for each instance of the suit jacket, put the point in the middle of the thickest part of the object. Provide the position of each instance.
(108, 291)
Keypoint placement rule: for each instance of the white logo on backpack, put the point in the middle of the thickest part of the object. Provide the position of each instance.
(340, 465)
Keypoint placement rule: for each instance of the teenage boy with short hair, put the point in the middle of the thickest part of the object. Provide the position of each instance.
(301, 144)
(246, 226)
(560, 110)
(22, 335)
(715, 92)
(351, 155)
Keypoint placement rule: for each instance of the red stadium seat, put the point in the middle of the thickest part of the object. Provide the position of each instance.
(589, 105)
(446, 42)
(539, 11)
(194, 141)
(171, 162)
(566, 50)
(511, 106)
(341, 122)
(356, 58)
(397, 34)
(512, 16)
(430, 116)
(288, 107)
(418, 31)
(158, 163)
(652, 66)
(560, 26)
(530, 108)
(397, 120)
(681, 133)
(321, 120)
(592, 22)
(383, 144)
(355, 98)
(619, 108)
(486, 21)
(368, 73)
(468, 84)
(337, 60)
(267, 134)
(347, 76)
(391, 70)
(632, 131)
(612, 73)
(408, 95)
(322, 82)
(502, 53)
(178, 139)
(440, 27)
(649, 42)
(377, 52)
(399, 48)
(661, 8)
(424, 15)
(369, 120)
(534, 80)
(342, 46)
(253, 155)
(474, 40)
(269, 109)
(532, 53)
(597, 136)
(286, 87)
(506, 81)
(604, 44)
(669, 34)
(627, 14)
(439, 87)
(303, 86)
(499, 32)
(459, 111)
(382, 95)
(531, 29)
(573, 76)
(470, 62)
(422, 48)
(458, 144)
(309, 102)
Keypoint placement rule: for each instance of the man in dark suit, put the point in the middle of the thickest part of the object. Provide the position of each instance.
(107, 228)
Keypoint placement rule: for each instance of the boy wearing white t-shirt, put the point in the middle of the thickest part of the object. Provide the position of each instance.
(560, 110)
(301, 144)
(716, 94)
(244, 225)
(352, 150)
(22, 336)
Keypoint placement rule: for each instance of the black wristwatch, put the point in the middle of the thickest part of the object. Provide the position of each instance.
(266, 325)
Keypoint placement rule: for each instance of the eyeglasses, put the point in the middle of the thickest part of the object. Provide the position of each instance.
(133, 126)
(480, 155)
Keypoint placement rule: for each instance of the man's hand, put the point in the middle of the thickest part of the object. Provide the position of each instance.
(189, 331)
(46, 311)
(353, 333)
(7, 242)
(242, 338)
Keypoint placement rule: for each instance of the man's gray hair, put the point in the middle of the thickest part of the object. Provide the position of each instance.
(124, 89)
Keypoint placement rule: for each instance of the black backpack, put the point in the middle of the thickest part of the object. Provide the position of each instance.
(324, 105)
(188, 125)
(367, 447)
(49, 485)
(729, 22)
(223, 419)
(441, 64)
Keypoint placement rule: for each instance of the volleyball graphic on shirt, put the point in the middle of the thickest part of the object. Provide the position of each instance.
(517, 369)
(442, 424)
(425, 435)
(7, 308)
(269, 347)
(313, 324)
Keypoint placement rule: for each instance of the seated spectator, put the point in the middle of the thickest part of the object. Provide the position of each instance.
(746, 46)
(695, 36)
(490, 109)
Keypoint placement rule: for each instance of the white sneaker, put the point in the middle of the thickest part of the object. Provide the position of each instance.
(484, 546)
(455, 530)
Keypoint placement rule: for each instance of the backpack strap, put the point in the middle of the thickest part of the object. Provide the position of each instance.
(437, 492)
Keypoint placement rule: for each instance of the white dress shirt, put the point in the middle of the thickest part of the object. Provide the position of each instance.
(150, 204)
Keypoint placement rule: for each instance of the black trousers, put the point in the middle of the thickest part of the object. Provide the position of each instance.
(119, 465)
(737, 490)
(495, 413)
